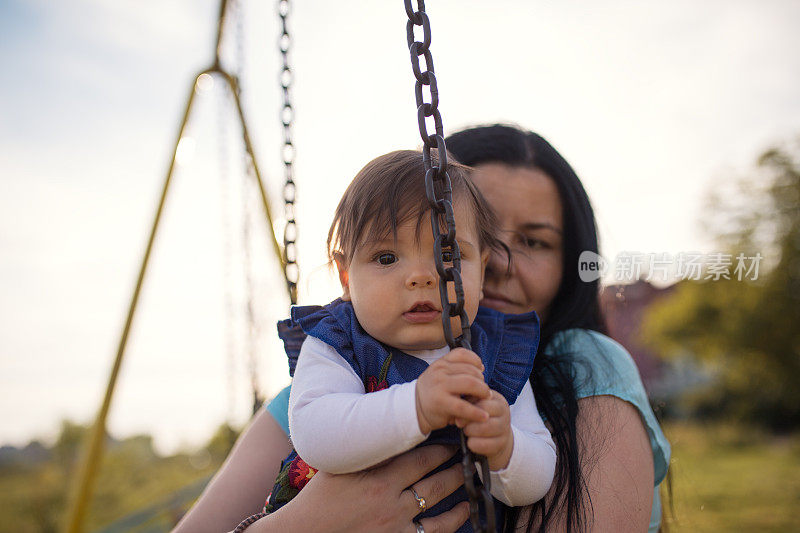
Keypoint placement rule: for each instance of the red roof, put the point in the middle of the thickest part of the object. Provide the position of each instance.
(623, 307)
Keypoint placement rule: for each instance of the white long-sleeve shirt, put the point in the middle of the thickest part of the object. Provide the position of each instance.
(336, 427)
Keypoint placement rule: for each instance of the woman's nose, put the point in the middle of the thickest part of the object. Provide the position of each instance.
(499, 265)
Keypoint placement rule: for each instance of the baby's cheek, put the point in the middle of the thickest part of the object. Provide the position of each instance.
(473, 292)
(471, 280)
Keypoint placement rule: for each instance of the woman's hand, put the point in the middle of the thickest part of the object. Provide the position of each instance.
(377, 500)
(442, 389)
(492, 438)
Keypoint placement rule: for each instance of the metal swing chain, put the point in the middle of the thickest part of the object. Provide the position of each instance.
(252, 333)
(439, 192)
(290, 268)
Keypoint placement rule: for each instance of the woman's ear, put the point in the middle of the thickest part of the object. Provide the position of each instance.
(344, 278)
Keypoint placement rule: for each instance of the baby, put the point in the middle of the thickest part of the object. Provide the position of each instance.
(374, 376)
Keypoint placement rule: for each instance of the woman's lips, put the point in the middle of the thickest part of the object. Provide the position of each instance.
(496, 301)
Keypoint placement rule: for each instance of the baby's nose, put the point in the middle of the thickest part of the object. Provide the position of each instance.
(421, 278)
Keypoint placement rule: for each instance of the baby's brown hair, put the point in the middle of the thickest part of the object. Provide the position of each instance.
(389, 191)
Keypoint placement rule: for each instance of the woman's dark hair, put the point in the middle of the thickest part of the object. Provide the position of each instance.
(576, 305)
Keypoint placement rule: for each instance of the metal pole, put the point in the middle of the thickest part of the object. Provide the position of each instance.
(89, 470)
(223, 6)
(262, 190)
(85, 482)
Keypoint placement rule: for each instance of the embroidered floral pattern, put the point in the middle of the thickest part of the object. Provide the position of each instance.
(375, 384)
(267, 504)
(300, 473)
(294, 475)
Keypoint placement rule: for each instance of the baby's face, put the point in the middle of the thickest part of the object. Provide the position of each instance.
(394, 286)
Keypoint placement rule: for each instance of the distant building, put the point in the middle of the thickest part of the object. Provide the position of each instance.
(624, 307)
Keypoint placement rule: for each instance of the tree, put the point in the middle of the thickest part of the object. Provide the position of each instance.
(68, 445)
(748, 332)
(221, 442)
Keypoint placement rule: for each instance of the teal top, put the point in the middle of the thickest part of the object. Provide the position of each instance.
(602, 368)
(279, 408)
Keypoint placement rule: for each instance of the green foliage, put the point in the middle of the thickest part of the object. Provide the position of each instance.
(132, 478)
(221, 442)
(747, 332)
(68, 446)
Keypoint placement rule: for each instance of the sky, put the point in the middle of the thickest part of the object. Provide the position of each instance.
(653, 103)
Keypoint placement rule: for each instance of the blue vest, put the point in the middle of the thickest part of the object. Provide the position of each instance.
(505, 343)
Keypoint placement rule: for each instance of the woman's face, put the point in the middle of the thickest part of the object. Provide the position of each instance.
(529, 210)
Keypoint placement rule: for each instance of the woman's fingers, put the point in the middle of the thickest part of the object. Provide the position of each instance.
(434, 488)
(409, 467)
(447, 522)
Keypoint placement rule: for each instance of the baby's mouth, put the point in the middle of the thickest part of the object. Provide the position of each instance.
(422, 312)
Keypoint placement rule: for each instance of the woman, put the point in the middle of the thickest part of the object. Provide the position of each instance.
(611, 453)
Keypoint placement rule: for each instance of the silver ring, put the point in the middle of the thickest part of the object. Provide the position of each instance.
(420, 529)
(420, 502)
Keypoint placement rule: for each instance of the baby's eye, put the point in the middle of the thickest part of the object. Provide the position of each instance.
(386, 258)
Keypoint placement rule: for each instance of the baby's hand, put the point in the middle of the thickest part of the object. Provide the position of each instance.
(493, 437)
(440, 389)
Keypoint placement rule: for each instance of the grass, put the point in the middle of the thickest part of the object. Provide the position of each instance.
(32, 499)
(729, 478)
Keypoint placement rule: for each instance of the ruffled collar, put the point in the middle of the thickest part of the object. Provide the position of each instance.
(506, 343)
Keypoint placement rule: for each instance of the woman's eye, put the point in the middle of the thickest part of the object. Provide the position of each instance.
(447, 256)
(387, 259)
(532, 243)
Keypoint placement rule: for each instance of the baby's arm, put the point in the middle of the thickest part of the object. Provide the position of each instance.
(335, 426)
(527, 476)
